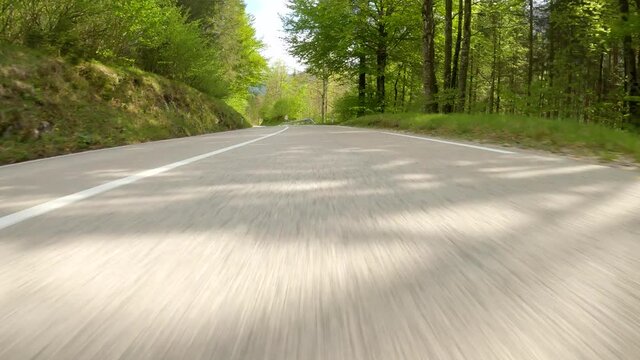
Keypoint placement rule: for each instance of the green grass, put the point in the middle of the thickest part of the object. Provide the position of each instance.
(272, 122)
(565, 136)
(92, 105)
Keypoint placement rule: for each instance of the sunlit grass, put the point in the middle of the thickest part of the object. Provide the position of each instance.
(566, 136)
(91, 105)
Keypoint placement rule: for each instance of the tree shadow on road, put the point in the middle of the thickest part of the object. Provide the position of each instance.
(481, 256)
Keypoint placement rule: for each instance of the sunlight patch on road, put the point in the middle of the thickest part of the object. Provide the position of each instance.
(394, 164)
(506, 169)
(423, 185)
(414, 177)
(278, 186)
(359, 150)
(469, 220)
(550, 172)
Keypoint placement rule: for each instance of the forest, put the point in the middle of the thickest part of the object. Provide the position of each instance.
(553, 59)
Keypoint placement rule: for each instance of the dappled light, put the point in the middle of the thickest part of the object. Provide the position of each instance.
(488, 252)
(550, 172)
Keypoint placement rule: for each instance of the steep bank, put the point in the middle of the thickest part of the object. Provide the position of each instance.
(49, 106)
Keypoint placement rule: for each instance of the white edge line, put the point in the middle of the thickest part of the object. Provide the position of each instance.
(452, 143)
(119, 147)
(20, 216)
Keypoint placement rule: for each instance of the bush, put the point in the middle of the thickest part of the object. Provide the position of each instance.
(154, 35)
(348, 107)
(284, 107)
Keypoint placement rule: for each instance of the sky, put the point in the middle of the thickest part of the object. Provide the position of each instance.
(269, 29)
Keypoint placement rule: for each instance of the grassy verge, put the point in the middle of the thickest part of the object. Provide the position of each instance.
(51, 107)
(564, 136)
(272, 122)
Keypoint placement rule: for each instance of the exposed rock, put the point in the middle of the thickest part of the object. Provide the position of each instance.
(42, 129)
(45, 127)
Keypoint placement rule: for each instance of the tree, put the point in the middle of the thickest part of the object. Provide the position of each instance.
(388, 18)
(555, 58)
(464, 56)
(530, 55)
(312, 37)
(347, 35)
(430, 81)
(631, 71)
(229, 30)
(456, 54)
(198, 9)
(447, 105)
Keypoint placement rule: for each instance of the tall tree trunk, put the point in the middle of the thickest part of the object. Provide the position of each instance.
(362, 85)
(631, 70)
(492, 88)
(565, 107)
(381, 92)
(381, 62)
(473, 82)
(513, 87)
(494, 65)
(464, 56)
(530, 65)
(607, 79)
(456, 53)
(404, 88)
(325, 94)
(448, 45)
(551, 98)
(396, 91)
(600, 83)
(412, 82)
(428, 49)
(498, 76)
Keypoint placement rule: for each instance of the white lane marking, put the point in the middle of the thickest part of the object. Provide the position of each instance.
(58, 203)
(128, 146)
(451, 143)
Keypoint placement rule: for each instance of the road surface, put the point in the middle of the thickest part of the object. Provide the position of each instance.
(318, 243)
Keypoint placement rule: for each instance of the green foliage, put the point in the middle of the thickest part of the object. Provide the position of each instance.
(284, 94)
(349, 106)
(348, 38)
(313, 35)
(576, 70)
(209, 45)
(289, 108)
(197, 9)
(230, 30)
(49, 106)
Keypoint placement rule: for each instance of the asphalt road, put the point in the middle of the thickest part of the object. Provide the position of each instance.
(318, 243)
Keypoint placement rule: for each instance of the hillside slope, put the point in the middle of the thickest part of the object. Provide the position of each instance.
(50, 107)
